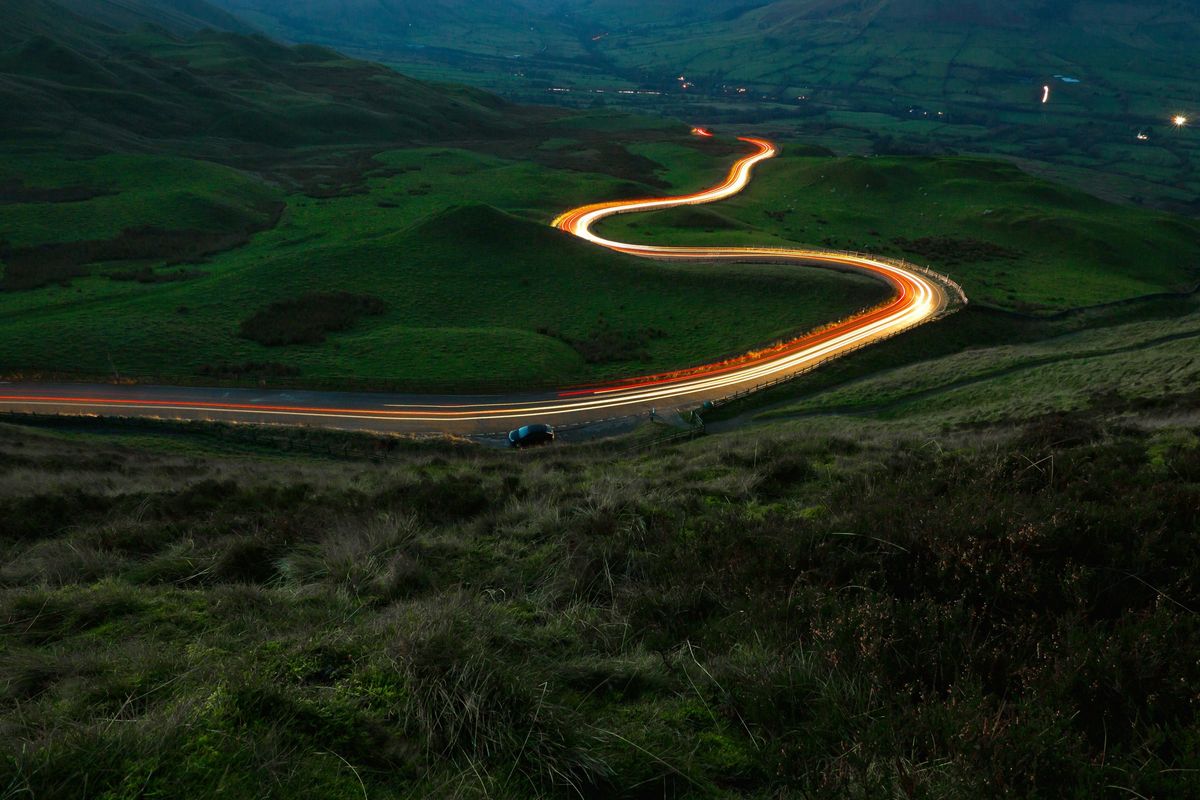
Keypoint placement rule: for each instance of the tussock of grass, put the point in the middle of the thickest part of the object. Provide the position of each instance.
(779, 612)
(306, 319)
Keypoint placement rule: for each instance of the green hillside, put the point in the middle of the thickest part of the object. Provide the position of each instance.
(860, 76)
(372, 27)
(473, 297)
(74, 82)
(1013, 240)
(179, 16)
(209, 188)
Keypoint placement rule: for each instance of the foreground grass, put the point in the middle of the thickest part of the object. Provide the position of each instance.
(776, 614)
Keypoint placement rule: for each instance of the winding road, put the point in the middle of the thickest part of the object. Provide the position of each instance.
(920, 296)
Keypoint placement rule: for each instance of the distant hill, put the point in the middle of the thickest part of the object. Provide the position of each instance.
(1009, 13)
(135, 75)
(1143, 52)
(180, 16)
(382, 27)
(856, 44)
(863, 76)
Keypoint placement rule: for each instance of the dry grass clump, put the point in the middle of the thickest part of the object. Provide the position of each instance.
(773, 614)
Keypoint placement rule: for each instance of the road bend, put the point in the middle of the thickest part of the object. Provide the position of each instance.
(918, 297)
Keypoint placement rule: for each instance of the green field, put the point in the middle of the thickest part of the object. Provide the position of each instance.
(1014, 241)
(173, 201)
(130, 191)
(475, 296)
(1135, 362)
(480, 294)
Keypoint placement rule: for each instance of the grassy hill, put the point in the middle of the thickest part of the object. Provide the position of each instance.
(178, 16)
(1129, 60)
(860, 76)
(372, 26)
(474, 297)
(173, 201)
(1014, 241)
(75, 82)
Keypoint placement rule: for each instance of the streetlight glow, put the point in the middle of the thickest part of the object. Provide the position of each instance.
(1179, 120)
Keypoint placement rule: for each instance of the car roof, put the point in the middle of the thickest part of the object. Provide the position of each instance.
(525, 430)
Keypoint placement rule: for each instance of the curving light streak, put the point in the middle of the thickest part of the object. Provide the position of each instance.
(917, 299)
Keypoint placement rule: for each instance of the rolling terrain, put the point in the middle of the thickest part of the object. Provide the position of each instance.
(860, 76)
(958, 563)
(77, 84)
(229, 185)
(917, 297)
(232, 185)
(1015, 242)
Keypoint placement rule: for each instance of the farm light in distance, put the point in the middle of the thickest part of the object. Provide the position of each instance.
(1179, 121)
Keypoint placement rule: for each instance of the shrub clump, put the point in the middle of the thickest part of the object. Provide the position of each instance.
(951, 251)
(608, 345)
(308, 318)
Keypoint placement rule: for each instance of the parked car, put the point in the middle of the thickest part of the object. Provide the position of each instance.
(531, 436)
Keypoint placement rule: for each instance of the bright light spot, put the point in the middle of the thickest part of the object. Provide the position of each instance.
(1045, 95)
(1179, 120)
(705, 132)
(1143, 137)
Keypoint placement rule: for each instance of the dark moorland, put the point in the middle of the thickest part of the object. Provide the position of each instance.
(1000, 612)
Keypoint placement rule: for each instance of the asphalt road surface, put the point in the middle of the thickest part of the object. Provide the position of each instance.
(919, 297)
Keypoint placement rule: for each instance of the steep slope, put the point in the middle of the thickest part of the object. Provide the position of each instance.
(506, 28)
(180, 16)
(79, 80)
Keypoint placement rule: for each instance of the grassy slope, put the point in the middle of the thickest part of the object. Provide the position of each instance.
(1071, 250)
(495, 28)
(1068, 249)
(772, 614)
(464, 311)
(468, 289)
(78, 84)
(161, 191)
(175, 15)
(1134, 361)
(1128, 55)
